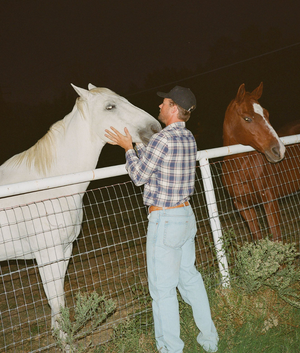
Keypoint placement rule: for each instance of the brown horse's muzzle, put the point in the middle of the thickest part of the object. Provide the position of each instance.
(275, 153)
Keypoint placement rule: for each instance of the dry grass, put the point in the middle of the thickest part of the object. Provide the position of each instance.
(260, 322)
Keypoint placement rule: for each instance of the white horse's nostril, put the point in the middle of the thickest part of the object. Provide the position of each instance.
(155, 130)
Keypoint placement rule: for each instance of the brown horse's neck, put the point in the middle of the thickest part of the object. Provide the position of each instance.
(228, 129)
(228, 139)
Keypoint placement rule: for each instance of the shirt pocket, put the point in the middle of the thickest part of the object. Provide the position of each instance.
(176, 232)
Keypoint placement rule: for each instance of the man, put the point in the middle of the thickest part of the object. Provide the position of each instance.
(166, 166)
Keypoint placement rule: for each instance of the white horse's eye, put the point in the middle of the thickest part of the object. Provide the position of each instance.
(110, 107)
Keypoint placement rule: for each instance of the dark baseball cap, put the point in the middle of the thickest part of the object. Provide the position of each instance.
(181, 96)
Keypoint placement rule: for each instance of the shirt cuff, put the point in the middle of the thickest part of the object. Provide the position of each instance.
(130, 153)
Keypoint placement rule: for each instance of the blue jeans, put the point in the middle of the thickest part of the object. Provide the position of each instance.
(171, 264)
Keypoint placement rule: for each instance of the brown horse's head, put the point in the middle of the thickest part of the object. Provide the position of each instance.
(247, 123)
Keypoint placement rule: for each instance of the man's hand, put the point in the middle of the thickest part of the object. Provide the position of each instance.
(118, 139)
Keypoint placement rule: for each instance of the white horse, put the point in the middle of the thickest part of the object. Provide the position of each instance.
(43, 225)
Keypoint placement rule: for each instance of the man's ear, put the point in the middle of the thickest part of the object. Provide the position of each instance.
(175, 109)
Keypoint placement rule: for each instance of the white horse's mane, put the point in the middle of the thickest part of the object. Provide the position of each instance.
(42, 154)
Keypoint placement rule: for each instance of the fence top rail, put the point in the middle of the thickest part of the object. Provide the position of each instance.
(235, 149)
(62, 180)
(108, 172)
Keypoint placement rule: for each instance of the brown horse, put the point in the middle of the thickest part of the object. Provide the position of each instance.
(260, 177)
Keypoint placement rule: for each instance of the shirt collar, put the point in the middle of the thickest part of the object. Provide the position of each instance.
(178, 124)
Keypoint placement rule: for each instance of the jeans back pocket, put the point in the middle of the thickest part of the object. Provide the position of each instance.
(176, 232)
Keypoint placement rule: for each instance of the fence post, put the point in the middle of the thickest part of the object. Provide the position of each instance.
(214, 219)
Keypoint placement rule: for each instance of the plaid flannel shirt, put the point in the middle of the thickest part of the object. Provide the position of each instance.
(166, 166)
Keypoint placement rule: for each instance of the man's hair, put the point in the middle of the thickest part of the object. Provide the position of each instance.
(183, 114)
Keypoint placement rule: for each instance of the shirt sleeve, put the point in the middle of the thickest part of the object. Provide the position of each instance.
(140, 149)
(140, 169)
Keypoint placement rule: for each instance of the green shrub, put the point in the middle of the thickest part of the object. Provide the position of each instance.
(272, 264)
(90, 311)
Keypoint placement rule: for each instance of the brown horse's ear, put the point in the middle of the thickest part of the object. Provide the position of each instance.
(241, 93)
(257, 92)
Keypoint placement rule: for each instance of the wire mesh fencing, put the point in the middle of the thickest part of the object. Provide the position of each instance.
(109, 258)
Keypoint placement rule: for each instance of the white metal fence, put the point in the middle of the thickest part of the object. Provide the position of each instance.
(109, 254)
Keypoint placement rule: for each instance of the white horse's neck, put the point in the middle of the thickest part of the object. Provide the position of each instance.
(78, 150)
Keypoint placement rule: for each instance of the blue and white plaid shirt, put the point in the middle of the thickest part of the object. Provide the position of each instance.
(166, 166)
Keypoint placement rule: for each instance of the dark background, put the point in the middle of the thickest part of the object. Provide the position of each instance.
(136, 48)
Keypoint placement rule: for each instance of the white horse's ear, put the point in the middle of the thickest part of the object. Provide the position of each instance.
(84, 93)
(91, 86)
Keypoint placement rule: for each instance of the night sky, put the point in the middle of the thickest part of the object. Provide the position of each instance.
(136, 48)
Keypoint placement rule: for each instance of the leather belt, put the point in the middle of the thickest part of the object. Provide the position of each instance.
(157, 208)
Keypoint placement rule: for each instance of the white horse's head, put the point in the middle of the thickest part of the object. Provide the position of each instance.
(107, 109)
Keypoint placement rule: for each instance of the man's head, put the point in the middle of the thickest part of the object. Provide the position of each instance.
(184, 98)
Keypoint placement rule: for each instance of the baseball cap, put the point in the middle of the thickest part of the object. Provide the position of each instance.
(181, 96)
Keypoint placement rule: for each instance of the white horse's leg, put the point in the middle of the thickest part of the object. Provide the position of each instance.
(52, 267)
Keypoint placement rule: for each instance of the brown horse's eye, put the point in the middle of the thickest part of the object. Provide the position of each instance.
(248, 119)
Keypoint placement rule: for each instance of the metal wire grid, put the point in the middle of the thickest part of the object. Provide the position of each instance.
(109, 257)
